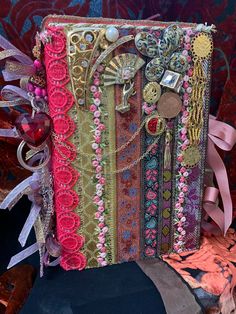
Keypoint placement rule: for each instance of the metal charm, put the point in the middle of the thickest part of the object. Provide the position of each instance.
(147, 44)
(154, 70)
(127, 92)
(151, 92)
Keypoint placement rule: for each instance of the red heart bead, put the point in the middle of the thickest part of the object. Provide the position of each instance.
(34, 131)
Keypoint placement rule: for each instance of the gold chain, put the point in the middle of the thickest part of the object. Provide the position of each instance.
(122, 147)
(134, 163)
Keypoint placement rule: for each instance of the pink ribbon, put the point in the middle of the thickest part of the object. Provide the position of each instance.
(223, 136)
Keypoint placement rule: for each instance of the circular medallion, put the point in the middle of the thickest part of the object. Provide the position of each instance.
(202, 46)
(191, 156)
(169, 105)
(151, 92)
(155, 124)
(178, 63)
(147, 44)
(154, 70)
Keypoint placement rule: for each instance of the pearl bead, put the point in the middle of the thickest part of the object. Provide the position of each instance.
(112, 34)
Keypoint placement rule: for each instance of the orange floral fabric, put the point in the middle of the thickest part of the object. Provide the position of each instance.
(215, 264)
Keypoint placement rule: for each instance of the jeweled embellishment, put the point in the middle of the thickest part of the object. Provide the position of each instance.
(34, 130)
(171, 80)
(155, 125)
(147, 44)
(151, 92)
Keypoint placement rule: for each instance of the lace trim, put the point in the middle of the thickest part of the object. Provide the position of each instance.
(63, 153)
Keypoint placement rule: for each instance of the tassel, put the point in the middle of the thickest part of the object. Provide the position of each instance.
(167, 154)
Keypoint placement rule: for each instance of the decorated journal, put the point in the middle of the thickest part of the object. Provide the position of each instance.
(117, 139)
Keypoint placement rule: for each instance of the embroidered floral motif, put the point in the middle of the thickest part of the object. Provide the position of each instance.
(182, 173)
(65, 177)
(98, 146)
(151, 198)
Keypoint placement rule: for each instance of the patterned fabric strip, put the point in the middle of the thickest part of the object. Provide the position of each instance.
(151, 197)
(108, 99)
(128, 181)
(166, 206)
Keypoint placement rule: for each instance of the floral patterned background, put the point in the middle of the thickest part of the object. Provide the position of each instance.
(19, 21)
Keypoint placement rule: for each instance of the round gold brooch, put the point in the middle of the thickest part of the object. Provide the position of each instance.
(191, 156)
(202, 46)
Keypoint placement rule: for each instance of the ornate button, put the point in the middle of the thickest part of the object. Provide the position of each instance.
(191, 156)
(170, 41)
(147, 44)
(154, 70)
(169, 105)
(155, 125)
(178, 62)
(151, 92)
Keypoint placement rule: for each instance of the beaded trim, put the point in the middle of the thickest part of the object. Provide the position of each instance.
(98, 145)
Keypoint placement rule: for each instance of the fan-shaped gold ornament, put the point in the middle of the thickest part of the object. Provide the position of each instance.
(122, 68)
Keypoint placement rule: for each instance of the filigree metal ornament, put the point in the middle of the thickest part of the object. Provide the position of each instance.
(122, 68)
(154, 70)
(171, 40)
(202, 46)
(191, 156)
(81, 44)
(151, 92)
(178, 62)
(147, 44)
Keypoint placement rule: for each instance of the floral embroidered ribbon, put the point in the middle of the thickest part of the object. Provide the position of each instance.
(224, 136)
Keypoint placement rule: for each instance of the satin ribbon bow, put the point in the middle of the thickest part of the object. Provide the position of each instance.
(223, 136)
